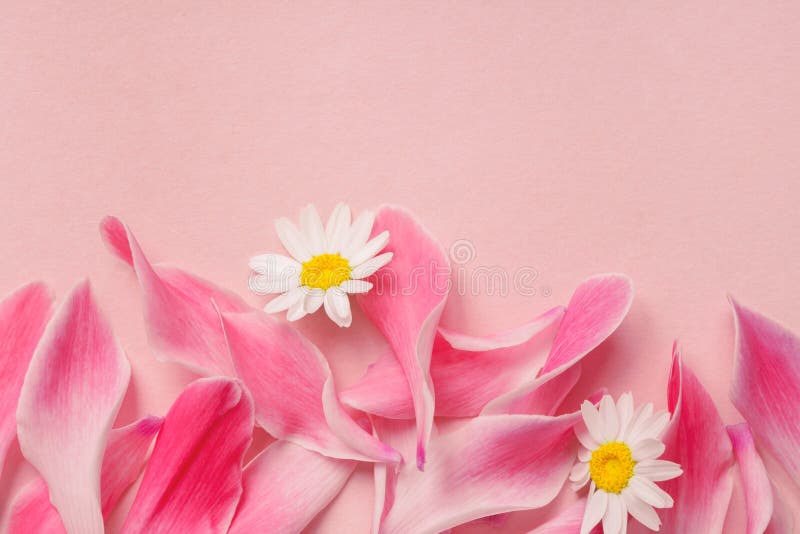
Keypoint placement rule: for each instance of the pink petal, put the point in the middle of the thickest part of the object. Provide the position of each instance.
(182, 325)
(757, 487)
(194, 478)
(488, 466)
(71, 395)
(23, 316)
(406, 303)
(594, 312)
(123, 461)
(293, 389)
(568, 521)
(285, 487)
(766, 384)
(467, 371)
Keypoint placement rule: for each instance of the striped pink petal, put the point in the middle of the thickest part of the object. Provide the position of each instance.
(755, 482)
(182, 324)
(406, 303)
(293, 389)
(568, 521)
(193, 480)
(124, 459)
(23, 316)
(285, 487)
(70, 398)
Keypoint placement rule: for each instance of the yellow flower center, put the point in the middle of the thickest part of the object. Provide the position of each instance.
(611, 466)
(325, 271)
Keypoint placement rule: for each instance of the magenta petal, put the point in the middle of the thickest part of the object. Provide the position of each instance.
(182, 324)
(285, 487)
(488, 466)
(766, 384)
(594, 312)
(293, 389)
(193, 480)
(123, 461)
(406, 303)
(23, 316)
(71, 395)
(757, 487)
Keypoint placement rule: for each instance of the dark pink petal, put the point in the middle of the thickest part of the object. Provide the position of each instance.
(70, 398)
(285, 487)
(123, 461)
(182, 324)
(594, 312)
(406, 303)
(757, 487)
(293, 389)
(766, 384)
(488, 466)
(194, 478)
(467, 371)
(23, 316)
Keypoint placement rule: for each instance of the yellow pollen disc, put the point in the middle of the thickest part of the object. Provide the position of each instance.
(611, 466)
(325, 271)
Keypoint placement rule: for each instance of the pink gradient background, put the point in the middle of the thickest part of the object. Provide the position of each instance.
(659, 140)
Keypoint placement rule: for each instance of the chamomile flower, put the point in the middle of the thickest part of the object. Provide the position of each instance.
(618, 458)
(324, 265)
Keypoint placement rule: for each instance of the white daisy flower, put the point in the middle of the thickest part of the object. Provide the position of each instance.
(325, 264)
(619, 454)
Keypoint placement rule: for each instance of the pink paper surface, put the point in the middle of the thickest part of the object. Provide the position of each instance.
(564, 139)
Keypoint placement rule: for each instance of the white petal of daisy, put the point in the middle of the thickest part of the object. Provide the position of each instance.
(609, 418)
(596, 505)
(639, 422)
(311, 226)
(338, 227)
(285, 301)
(294, 243)
(615, 514)
(655, 425)
(586, 439)
(625, 410)
(584, 455)
(647, 449)
(314, 299)
(263, 285)
(355, 286)
(641, 511)
(297, 310)
(372, 247)
(649, 492)
(370, 266)
(274, 273)
(579, 476)
(592, 421)
(658, 470)
(359, 233)
(337, 306)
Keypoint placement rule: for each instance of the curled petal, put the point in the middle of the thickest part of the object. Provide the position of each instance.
(285, 487)
(70, 398)
(293, 389)
(408, 313)
(568, 521)
(182, 325)
(757, 487)
(194, 478)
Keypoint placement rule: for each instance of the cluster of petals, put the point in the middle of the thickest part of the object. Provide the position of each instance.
(456, 427)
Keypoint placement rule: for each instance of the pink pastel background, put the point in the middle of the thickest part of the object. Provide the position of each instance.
(659, 139)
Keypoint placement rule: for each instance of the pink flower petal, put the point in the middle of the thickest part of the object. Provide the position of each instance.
(568, 521)
(293, 389)
(757, 487)
(71, 395)
(406, 303)
(467, 371)
(182, 325)
(124, 459)
(594, 312)
(766, 384)
(285, 487)
(488, 466)
(23, 316)
(194, 478)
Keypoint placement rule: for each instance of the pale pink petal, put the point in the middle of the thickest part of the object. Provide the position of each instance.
(123, 461)
(293, 389)
(467, 371)
(406, 304)
(568, 521)
(488, 466)
(70, 398)
(182, 324)
(193, 480)
(23, 316)
(755, 481)
(594, 312)
(766, 384)
(285, 487)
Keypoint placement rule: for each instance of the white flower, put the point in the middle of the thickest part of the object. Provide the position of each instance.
(619, 455)
(325, 264)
